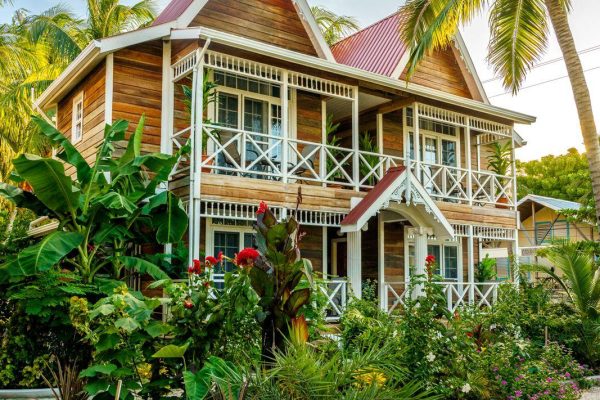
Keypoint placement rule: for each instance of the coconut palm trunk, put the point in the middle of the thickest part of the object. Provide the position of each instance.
(581, 93)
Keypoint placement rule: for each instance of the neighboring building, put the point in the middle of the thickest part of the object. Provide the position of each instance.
(542, 221)
(424, 188)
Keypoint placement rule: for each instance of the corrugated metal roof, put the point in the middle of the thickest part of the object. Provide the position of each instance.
(377, 48)
(172, 11)
(551, 202)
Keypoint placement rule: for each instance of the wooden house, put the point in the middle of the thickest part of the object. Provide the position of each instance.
(389, 170)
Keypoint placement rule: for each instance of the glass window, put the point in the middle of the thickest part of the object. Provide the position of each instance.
(411, 145)
(450, 262)
(229, 244)
(227, 110)
(255, 115)
(430, 151)
(543, 232)
(247, 84)
(434, 250)
(449, 153)
(77, 119)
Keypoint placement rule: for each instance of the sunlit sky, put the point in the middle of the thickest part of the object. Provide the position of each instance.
(557, 127)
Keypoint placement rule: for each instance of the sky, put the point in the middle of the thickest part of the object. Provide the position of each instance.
(557, 127)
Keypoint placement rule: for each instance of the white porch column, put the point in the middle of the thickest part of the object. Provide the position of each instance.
(468, 158)
(355, 262)
(416, 142)
(325, 256)
(285, 109)
(355, 140)
(420, 235)
(196, 160)
(515, 249)
(470, 264)
(383, 298)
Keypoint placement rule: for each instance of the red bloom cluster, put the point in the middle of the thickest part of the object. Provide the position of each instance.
(246, 257)
(195, 268)
(430, 260)
(262, 208)
(212, 261)
(188, 304)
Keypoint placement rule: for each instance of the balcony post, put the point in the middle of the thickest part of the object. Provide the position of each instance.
(469, 166)
(470, 264)
(416, 146)
(354, 262)
(420, 235)
(196, 158)
(383, 167)
(355, 140)
(285, 129)
(383, 300)
(513, 172)
(322, 152)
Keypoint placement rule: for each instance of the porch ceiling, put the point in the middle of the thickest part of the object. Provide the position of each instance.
(399, 191)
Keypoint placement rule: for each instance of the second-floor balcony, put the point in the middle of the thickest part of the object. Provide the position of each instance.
(267, 123)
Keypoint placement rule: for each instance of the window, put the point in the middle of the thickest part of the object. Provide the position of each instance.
(227, 109)
(77, 119)
(546, 231)
(446, 256)
(228, 236)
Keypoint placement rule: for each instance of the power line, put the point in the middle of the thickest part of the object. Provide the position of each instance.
(542, 83)
(548, 62)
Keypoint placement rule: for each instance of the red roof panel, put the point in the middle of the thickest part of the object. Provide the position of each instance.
(361, 208)
(172, 11)
(377, 48)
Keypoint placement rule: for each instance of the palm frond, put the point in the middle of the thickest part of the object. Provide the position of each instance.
(519, 37)
(430, 25)
(334, 27)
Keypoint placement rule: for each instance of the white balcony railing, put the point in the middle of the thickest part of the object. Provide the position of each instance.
(458, 294)
(336, 291)
(259, 155)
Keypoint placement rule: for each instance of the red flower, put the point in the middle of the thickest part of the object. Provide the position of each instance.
(197, 267)
(191, 269)
(262, 208)
(246, 257)
(430, 259)
(212, 261)
(207, 284)
(188, 304)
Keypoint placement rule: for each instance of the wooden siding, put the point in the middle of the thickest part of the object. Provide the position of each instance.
(311, 246)
(270, 21)
(309, 117)
(394, 252)
(138, 90)
(93, 88)
(441, 71)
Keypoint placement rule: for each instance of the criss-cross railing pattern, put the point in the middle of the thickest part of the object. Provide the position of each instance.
(442, 181)
(336, 291)
(489, 188)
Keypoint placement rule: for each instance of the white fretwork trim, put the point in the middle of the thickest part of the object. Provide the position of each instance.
(440, 115)
(240, 66)
(484, 232)
(184, 66)
(320, 85)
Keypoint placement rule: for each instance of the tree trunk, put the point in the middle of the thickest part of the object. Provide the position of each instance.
(583, 102)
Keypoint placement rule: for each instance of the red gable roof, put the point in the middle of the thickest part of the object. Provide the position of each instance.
(172, 11)
(377, 48)
(361, 208)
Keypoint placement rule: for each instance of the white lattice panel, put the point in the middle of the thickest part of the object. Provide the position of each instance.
(320, 85)
(320, 218)
(184, 66)
(227, 210)
(490, 127)
(440, 115)
(242, 66)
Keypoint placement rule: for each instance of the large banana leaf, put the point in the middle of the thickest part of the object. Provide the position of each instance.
(143, 267)
(23, 199)
(69, 153)
(40, 257)
(134, 147)
(47, 177)
(168, 216)
(117, 204)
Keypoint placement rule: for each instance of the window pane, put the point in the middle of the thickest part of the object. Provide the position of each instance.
(543, 232)
(229, 244)
(254, 115)
(449, 153)
(450, 262)
(227, 110)
(430, 151)
(560, 230)
(249, 240)
(435, 251)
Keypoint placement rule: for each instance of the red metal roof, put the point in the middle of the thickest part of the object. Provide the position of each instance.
(172, 11)
(361, 208)
(377, 48)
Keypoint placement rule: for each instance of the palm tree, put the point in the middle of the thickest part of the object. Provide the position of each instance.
(519, 37)
(109, 17)
(574, 269)
(334, 27)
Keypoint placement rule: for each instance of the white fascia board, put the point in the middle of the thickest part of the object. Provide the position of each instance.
(435, 211)
(462, 47)
(186, 18)
(321, 64)
(401, 65)
(89, 57)
(114, 43)
(314, 29)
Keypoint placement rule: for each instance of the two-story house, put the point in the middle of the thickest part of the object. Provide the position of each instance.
(389, 170)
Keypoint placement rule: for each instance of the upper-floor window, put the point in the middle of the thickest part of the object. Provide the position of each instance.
(438, 142)
(547, 231)
(77, 119)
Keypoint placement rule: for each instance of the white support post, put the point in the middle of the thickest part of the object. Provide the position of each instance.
(420, 235)
(416, 143)
(478, 143)
(355, 140)
(325, 257)
(468, 163)
(109, 89)
(324, 138)
(167, 109)
(382, 168)
(513, 173)
(470, 264)
(515, 249)
(355, 262)
(383, 300)
(285, 109)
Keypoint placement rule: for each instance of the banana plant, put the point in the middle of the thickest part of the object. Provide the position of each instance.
(103, 209)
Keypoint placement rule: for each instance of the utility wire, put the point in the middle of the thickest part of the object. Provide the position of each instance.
(542, 83)
(548, 62)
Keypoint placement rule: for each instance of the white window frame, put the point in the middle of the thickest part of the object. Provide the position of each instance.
(77, 121)
(211, 228)
(441, 263)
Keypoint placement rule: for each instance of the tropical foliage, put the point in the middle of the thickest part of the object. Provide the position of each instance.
(334, 27)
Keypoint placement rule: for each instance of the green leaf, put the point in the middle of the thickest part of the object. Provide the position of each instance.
(117, 203)
(196, 385)
(51, 186)
(40, 257)
(128, 324)
(159, 283)
(69, 153)
(134, 146)
(171, 351)
(143, 267)
(23, 199)
(158, 328)
(171, 221)
(104, 309)
(297, 299)
(107, 342)
(103, 369)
